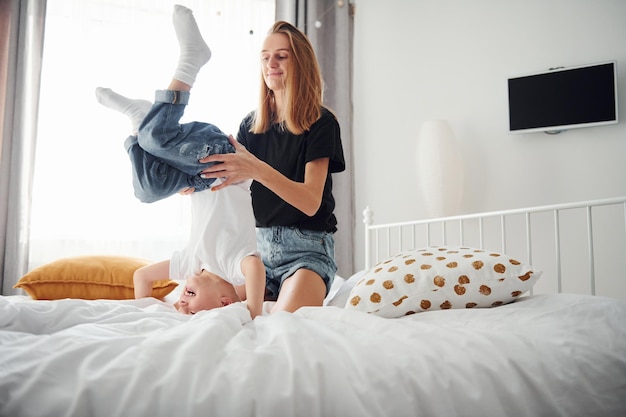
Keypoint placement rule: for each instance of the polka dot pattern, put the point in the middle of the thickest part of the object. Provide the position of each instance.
(440, 278)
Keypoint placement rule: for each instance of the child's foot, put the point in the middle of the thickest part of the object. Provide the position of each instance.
(194, 52)
(136, 110)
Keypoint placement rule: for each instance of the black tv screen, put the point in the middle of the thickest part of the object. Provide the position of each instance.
(563, 98)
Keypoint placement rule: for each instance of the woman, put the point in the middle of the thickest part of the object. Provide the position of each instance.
(289, 146)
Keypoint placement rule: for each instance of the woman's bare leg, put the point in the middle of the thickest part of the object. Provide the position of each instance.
(304, 288)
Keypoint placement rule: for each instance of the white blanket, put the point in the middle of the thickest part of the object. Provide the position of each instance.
(557, 355)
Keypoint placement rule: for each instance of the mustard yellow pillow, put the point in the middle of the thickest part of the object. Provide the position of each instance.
(90, 278)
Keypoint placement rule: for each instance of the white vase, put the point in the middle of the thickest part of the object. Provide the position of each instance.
(439, 169)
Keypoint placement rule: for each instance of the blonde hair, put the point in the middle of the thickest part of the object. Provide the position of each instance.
(303, 95)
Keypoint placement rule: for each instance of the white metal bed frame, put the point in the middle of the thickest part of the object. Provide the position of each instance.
(384, 240)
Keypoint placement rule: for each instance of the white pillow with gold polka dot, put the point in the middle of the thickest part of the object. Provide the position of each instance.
(439, 278)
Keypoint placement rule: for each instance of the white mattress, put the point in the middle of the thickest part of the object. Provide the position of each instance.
(557, 355)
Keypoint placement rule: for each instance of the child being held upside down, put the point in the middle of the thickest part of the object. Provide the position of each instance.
(220, 263)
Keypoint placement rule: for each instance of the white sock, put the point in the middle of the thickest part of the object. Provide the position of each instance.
(136, 110)
(194, 52)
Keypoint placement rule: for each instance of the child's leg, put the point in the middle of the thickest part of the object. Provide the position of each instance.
(161, 134)
(180, 145)
(165, 154)
(194, 52)
(136, 110)
(153, 178)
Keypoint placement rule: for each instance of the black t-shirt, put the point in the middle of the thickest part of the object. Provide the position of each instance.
(288, 154)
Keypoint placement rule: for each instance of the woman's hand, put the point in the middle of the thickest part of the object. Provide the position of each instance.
(234, 167)
(242, 165)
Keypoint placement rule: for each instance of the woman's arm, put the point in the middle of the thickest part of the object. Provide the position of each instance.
(146, 275)
(242, 165)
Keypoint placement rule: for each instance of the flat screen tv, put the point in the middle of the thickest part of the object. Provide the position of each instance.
(563, 98)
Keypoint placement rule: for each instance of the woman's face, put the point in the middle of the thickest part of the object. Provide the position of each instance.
(275, 56)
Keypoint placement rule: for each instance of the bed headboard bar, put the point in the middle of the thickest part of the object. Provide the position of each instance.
(521, 230)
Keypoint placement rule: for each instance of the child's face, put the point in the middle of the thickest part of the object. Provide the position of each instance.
(200, 293)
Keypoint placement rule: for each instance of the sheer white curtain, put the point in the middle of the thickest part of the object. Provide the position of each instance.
(83, 201)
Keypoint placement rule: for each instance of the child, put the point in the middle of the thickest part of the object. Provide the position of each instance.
(220, 263)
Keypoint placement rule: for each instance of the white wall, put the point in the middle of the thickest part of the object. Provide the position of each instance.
(417, 60)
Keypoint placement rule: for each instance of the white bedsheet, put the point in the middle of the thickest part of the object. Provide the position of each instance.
(558, 355)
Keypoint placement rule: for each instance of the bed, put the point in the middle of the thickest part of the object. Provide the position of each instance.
(555, 347)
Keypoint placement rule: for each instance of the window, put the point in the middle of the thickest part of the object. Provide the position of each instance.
(83, 201)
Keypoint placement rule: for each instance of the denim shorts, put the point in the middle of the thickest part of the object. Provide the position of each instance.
(284, 250)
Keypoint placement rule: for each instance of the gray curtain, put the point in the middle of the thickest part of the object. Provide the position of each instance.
(21, 47)
(329, 26)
